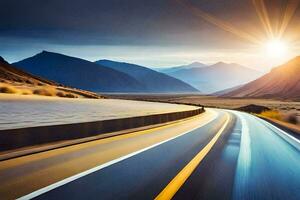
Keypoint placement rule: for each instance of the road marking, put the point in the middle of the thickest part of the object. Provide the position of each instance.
(289, 138)
(97, 168)
(244, 160)
(278, 129)
(170, 190)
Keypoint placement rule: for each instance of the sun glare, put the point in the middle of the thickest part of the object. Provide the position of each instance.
(276, 48)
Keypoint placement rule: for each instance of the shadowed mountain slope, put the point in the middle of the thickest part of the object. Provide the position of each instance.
(280, 82)
(153, 80)
(222, 92)
(9, 73)
(14, 80)
(79, 73)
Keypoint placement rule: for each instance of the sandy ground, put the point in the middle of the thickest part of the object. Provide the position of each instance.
(21, 97)
(18, 111)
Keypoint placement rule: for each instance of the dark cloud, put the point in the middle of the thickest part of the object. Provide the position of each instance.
(29, 23)
(115, 21)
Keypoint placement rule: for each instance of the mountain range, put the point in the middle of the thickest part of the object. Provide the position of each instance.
(83, 74)
(78, 73)
(153, 81)
(216, 77)
(281, 82)
(229, 80)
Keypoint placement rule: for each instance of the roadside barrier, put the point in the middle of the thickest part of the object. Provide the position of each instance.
(23, 137)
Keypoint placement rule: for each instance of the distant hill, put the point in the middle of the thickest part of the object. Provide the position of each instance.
(79, 73)
(217, 77)
(152, 80)
(174, 69)
(280, 82)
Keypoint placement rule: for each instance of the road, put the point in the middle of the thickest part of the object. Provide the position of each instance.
(220, 154)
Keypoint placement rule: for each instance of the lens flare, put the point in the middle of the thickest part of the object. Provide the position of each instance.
(276, 48)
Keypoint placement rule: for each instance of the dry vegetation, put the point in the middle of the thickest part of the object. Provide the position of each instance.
(38, 89)
(5, 88)
(291, 118)
(45, 91)
(274, 114)
(26, 92)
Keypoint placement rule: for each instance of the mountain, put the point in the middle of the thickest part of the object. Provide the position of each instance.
(10, 74)
(79, 73)
(217, 77)
(281, 82)
(222, 92)
(14, 80)
(152, 80)
(174, 69)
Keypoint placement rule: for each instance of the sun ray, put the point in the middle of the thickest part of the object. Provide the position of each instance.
(262, 13)
(289, 12)
(275, 45)
(220, 23)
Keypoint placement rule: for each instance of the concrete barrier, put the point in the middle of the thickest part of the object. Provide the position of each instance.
(23, 137)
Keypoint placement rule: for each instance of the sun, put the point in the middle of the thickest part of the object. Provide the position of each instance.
(276, 48)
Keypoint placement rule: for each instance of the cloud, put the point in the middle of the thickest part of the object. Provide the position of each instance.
(27, 27)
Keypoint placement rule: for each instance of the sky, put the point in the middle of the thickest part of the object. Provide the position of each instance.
(156, 33)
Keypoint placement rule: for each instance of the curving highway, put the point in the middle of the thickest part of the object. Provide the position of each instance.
(220, 154)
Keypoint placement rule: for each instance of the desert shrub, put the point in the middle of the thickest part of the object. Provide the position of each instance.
(274, 114)
(45, 91)
(60, 94)
(69, 95)
(26, 92)
(8, 89)
(291, 118)
(252, 108)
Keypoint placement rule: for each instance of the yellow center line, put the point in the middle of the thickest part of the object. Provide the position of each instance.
(170, 190)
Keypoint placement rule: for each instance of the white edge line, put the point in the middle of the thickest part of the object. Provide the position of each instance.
(273, 126)
(97, 168)
(282, 131)
(287, 137)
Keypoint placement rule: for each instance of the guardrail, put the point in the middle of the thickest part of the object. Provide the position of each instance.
(23, 137)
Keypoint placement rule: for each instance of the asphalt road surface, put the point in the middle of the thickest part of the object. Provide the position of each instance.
(219, 155)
